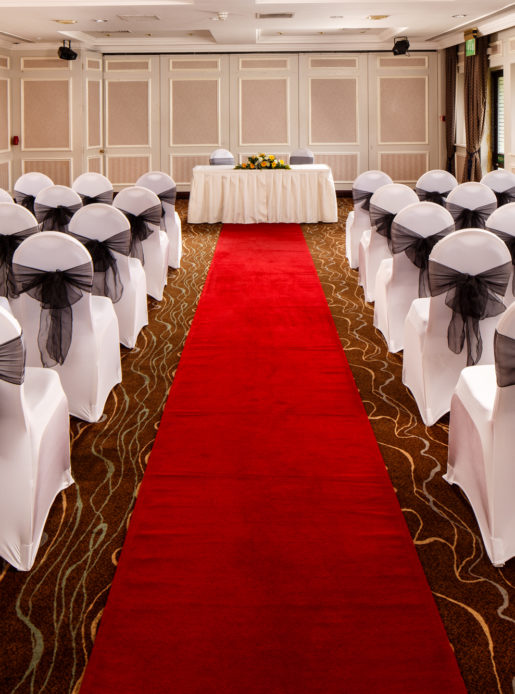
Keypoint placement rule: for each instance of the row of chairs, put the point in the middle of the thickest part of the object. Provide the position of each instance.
(441, 288)
(67, 300)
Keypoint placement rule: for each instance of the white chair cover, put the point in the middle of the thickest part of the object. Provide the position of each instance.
(302, 156)
(101, 222)
(358, 221)
(93, 187)
(54, 206)
(34, 447)
(220, 157)
(164, 187)
(435, 186)
(430, 367)
(4, 196)
(502, 183)
(502, 223)
(374, 242)
(28, 186)
(481, 442)
(150, 244)
(471, 204)
(91, 366)
(16, 224)
(403, 278)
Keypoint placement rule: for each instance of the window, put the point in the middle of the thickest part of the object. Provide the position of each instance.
(497, 119)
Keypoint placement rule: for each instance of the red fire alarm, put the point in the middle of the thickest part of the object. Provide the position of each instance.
(15, 140)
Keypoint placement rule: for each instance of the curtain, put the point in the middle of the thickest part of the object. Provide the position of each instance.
(476, 72)
(451, 62)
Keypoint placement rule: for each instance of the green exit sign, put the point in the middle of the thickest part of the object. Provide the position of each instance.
(470, 47)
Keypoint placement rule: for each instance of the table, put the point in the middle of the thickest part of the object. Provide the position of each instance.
(304, 193)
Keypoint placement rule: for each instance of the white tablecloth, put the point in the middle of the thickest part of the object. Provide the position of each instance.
(304, 193)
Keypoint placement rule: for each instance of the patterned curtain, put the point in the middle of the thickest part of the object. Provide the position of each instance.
(451, 61)
(476, 71)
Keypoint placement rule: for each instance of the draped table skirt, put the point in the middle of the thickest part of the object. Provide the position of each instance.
(304, 193)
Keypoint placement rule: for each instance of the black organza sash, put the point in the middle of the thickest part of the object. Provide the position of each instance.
(25, 200)
(471, 298)
(168, 196)
(107, 280)
(8, 244)
(12, 361)
(362, 196)
(140, 229)
(57, 292)
(381, 221)
(467, 219)
(505, 196)
(432, 196)
(106, 197)
(504, 350)
(417, 248)
(509, 240)
(55, 218)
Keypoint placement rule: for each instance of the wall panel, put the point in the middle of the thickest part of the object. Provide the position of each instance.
(59, 170)
(46, 121)
(5, 179)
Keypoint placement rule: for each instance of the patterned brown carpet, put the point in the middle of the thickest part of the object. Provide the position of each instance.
(49, 616)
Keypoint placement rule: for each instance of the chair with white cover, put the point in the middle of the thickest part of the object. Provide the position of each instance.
(435, 186)
(302, 156)
(149, 243)
(106, 233)
(471, 204)
(93, 187)
(374, 245)
(65, 327)
(502, 183)
(404, 277)
(219, 157)
(34, 447)
(164, 187)
(55, 206)
(358, 220)
(502, 223)
(480, 458)
(28, 185)
(16, 224)
(453, 328)
(4, 196)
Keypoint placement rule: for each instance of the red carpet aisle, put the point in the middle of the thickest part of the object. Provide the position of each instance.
(267, 553)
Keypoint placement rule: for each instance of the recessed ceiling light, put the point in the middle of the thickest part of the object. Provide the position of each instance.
(376, 17)
(336, 16)
(459, 16)
(99, 21)
(65, 21)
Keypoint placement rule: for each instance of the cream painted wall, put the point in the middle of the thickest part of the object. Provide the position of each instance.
(124, 115)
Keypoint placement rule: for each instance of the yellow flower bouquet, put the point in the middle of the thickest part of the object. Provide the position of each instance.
(262, 161)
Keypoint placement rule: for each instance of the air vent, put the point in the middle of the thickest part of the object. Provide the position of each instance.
(139, 17)
(274, 15)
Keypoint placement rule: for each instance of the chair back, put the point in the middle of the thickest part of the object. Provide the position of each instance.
(435, 186)
(502, 223)
(415, 231)
(106, 233)
(12, 366)
(221, 156)
(502, 183)
(302, 156)
(504, 352)
(28, 186)
(4, 196)
(93, 187)
(53, 252)
(143, 210)
(385, 203)
(469, 271)
(163, 186)
(55, 206)
(471, 204)
(16, 224)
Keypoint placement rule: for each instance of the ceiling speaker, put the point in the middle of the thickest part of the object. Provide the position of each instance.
(65, 52)
(400, 45)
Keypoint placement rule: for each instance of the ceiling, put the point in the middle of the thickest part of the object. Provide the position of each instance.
(135, 26)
